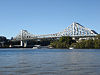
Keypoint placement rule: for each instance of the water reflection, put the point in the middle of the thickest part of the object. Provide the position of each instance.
(49, 62)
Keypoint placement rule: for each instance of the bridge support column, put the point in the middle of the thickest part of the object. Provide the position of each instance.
(21, 43)
(25, 43)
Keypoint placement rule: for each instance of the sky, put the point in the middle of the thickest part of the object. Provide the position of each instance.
(47, 16)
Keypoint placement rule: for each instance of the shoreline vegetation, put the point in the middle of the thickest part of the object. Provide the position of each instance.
(64, 42)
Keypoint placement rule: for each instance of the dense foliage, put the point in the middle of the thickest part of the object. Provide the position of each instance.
(66, 42)
(63, 42)
(89, 44)
(4, 42)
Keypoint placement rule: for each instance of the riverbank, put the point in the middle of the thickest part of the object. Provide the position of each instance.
(67, 42)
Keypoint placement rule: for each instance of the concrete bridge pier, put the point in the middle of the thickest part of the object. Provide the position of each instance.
(23, 43)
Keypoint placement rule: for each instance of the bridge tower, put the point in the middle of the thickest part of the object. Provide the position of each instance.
(23, 42)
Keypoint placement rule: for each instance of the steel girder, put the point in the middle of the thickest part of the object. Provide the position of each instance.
(75, 29)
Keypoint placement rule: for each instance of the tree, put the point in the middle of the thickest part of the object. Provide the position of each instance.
(89, 44)
(63, 42)
(97, 43)
(66, 39)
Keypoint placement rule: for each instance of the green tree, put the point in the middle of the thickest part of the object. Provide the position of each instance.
(89, 44)
(97, 43)
(63, 42)
(67, 40)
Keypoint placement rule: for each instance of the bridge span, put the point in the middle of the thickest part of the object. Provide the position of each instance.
(75, 30)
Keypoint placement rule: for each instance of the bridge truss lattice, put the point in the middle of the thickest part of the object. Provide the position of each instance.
(74, 30)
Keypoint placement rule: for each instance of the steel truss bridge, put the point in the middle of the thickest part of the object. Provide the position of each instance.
(73, 30)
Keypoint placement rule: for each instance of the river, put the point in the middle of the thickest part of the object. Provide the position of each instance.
(49, 62)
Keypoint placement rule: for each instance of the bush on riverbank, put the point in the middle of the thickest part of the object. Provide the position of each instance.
(66, 42)
(63, 42)
(89, 44)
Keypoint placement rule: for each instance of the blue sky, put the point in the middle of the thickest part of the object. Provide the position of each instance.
(47, 16)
